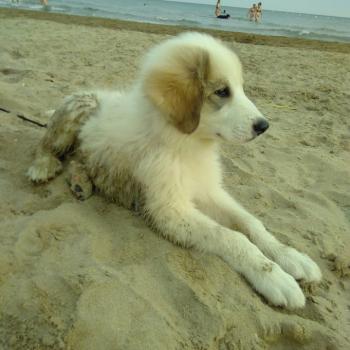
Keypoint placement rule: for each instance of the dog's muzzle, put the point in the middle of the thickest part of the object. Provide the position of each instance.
(260, 126)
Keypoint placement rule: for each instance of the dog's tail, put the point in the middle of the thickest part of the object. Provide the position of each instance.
(61, 135)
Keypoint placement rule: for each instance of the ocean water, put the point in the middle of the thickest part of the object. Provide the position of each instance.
(201, 16)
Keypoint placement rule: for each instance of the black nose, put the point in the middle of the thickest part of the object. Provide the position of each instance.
(260, 126)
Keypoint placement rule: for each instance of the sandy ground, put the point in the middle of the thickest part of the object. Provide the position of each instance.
(91, 275)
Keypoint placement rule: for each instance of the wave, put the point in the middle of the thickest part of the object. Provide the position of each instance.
(180, 21)
(309, 34)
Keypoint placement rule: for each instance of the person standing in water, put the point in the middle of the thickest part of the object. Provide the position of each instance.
(258, 12)
(218, 9)
(252, 13)
(44, 2)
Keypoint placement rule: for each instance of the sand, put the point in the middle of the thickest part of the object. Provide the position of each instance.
(91, 275)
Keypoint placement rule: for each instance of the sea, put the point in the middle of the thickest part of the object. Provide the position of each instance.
(192, 15)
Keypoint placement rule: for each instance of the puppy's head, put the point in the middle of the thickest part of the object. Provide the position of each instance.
(196, 82)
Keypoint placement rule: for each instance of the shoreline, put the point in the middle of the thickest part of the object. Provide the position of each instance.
(240, 37)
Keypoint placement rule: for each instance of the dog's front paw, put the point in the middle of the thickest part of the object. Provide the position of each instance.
(299, 265)
(278, 287)
(44, 168)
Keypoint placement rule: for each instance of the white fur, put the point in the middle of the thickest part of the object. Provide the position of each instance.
(181, 175)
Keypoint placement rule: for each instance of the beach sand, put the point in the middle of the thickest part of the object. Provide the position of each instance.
(91, 275)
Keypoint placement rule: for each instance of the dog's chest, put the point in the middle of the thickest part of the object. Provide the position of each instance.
(200, 175)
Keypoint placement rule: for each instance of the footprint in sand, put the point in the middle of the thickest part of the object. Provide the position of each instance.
(292, 334)
(13, 75)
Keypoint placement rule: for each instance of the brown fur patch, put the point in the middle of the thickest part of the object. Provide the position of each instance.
(177, 86)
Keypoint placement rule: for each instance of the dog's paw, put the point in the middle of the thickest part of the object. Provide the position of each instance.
(278, 287)
(44, 169)
(78, 181)
(299, 265)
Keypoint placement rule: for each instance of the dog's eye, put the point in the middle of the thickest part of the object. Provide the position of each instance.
(224, 92)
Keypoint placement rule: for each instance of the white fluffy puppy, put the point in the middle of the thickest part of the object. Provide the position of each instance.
(156, 146)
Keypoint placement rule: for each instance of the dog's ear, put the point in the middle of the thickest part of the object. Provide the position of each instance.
(177, 87)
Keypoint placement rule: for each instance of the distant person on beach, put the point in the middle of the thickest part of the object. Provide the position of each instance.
(252, 12)
(44, 2)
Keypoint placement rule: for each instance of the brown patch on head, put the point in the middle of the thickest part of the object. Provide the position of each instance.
(177, 86)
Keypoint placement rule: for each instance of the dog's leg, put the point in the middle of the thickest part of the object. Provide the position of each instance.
(227, 211)
(178, 220)
(61, 134)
